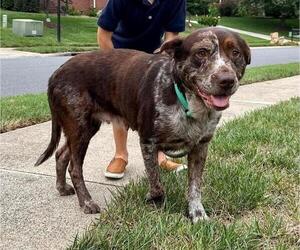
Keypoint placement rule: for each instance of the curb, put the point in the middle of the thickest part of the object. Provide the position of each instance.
(275, 47)
(14, 53)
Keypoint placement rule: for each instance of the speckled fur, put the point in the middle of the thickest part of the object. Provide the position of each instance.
(137, 90)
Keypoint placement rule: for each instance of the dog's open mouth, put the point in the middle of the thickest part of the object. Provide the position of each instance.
(218, 102)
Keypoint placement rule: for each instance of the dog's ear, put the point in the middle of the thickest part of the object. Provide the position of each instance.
(248, 55)
(246, 52)
(172, 47)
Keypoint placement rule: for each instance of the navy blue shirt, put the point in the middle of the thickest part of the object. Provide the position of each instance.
(137, 24)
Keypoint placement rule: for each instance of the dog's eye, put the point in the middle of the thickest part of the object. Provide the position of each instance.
(235, 53)
(202, 53)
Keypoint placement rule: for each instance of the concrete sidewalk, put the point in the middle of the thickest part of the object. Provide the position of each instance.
(249, 33)
(34, 216)
(9, 53)
(12, 53)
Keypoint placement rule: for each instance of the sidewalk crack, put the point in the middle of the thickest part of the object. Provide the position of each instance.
(49, 175)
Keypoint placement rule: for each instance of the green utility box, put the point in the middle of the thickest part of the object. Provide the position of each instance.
(27, 27)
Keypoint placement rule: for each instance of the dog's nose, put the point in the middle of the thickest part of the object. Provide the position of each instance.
(224, 80)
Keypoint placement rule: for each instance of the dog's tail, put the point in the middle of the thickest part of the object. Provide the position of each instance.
(55, 138)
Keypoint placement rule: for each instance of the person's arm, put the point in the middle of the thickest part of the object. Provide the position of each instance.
(170, 36)
(108, 22)
(104, 39)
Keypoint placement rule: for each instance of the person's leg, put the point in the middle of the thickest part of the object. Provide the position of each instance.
(164, 163)
(116, 168)
(161, 157)
(120, 136)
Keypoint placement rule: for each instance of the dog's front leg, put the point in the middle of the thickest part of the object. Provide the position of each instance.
(196, 162)
(149, 152)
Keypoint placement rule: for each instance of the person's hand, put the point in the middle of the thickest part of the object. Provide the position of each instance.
(157, 51)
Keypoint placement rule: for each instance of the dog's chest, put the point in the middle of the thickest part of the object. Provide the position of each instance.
(178, 133)
(174, 131)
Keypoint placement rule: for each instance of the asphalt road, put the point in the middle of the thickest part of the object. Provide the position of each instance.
(24, 75)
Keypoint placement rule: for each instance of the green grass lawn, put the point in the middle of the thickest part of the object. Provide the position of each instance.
(250, 193)
(270, 72)
(254, 41)
(25, 110)
(260, 25)
(79, 32)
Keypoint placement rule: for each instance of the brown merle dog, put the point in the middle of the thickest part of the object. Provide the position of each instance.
(137, 90)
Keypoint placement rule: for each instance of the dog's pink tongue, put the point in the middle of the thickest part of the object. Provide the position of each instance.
(220, 101)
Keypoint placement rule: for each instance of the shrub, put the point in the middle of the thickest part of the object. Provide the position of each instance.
(26, 5)
(92, 12)
(282, 9)
(228, 7)
(31, 6)
(73, 12)
(213, 10)
(272, 10)
(199, 7)
(212, 18)
(242, 10)
(208, 20)
(18, 5)
(7, 4)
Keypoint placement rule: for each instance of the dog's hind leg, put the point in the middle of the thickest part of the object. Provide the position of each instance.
(78, 144)
(62, 161)
(149, 152)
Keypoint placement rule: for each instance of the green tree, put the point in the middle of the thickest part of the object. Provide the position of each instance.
(18, 5)
(7, 4)
(228, 7)
(27, 5)
(46, 7)
(251, 7)
(275, 8)
(199, 7)
(31, 5)
(284, 8)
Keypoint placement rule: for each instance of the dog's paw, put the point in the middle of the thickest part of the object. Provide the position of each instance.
(90, 207)
(157, 198)
(65, 190)
(197, 215)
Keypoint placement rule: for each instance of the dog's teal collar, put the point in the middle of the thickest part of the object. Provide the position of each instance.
(182, 99)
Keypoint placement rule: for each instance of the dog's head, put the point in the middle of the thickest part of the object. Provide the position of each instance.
(210, 62)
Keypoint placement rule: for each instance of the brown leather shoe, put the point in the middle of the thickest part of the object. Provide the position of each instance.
(116, 168)
(172, 166)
